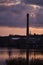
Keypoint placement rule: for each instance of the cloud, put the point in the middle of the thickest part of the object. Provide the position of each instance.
(2, 1)
(15, 15)
(36, 2)
(3, 8)
(39, 22)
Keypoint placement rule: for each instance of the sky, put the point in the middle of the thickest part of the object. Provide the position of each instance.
(13, 16)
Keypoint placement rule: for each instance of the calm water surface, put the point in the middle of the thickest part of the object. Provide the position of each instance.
(16, 53)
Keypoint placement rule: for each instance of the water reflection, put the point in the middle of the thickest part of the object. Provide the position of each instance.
(17, 53)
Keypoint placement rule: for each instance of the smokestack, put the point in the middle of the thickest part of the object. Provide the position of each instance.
(27, 32)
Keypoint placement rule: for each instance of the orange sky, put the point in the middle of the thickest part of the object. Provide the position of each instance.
(18, 31)
(9, 14)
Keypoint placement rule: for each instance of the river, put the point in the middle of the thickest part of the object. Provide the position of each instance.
(17, 53)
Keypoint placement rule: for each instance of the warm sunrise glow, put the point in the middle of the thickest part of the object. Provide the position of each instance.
(17, 14)
(19, 31)
(36, 30)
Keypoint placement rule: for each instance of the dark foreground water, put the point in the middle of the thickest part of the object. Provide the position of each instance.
(17, 53)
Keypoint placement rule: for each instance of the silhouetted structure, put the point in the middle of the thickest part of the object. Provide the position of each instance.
(27, 32)
(27, 51)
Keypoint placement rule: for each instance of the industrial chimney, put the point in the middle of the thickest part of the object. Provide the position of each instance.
(27, 31)
(27, 34)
